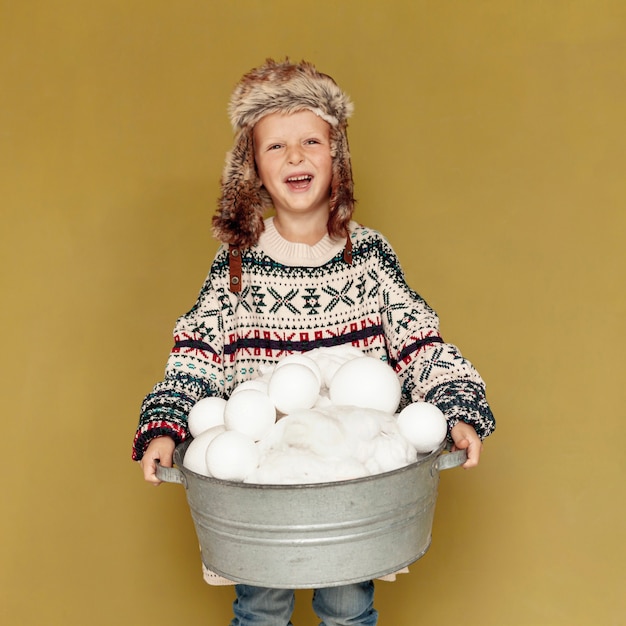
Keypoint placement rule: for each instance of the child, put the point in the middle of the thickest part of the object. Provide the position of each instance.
(306, 278)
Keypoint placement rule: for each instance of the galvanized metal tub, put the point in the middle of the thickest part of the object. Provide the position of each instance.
(314, 535)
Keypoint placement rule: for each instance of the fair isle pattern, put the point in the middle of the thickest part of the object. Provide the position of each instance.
(284, 308)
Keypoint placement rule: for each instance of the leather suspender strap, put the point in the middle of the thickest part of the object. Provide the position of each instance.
(347, 251)
(234, 266)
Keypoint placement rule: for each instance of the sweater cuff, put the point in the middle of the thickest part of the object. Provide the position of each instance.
(149, 431)
(463, 401)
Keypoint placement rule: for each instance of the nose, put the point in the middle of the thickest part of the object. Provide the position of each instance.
(295, 155)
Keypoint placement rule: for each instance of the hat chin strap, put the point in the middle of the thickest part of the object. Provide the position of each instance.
(234, 263)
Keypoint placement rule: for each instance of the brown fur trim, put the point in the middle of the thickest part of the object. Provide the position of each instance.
(341, 187)
(239, 220)
(287, 87)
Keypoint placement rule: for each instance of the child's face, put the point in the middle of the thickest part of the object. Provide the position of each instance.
(293, 160)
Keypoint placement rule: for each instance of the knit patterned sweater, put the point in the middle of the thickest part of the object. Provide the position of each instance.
(295, 297)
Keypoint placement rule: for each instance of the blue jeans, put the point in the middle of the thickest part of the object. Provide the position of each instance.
(347, 605)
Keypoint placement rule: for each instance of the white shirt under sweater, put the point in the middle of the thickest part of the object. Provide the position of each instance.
(295, 297)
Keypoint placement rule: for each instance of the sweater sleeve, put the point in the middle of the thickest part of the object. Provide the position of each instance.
(430, 369)
(194, 368)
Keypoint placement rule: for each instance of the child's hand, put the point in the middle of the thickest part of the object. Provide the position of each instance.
(159, 449)
(465, 438)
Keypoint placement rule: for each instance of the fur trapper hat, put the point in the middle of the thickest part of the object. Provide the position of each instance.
(280, 87)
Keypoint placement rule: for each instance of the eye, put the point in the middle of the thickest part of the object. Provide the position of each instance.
(274, 146)
(310, 142)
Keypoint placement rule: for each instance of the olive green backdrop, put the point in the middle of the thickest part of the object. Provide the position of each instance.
(488, 145)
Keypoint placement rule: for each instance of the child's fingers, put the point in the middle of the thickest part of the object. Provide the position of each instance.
(465, 438)
(160, 449)
(149, 470)
(473, 448)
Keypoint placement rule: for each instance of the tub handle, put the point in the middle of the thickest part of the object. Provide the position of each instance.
(170, 475)
(450, 460)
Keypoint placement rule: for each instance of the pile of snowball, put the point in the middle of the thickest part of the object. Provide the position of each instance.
(325, 415)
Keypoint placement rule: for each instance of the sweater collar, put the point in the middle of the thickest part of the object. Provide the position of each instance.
(297, 254)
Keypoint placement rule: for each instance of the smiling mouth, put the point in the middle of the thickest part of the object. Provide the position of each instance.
(299, 182)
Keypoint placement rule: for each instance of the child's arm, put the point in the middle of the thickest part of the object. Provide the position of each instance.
(430, 369)
(195, 367)
(465, 438)
(160, 449)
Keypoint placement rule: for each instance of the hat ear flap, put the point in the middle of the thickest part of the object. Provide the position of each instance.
(342, 185)
(239, 218)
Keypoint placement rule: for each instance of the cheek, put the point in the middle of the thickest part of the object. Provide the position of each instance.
(328, 168)
(260, 169)
(268, 163)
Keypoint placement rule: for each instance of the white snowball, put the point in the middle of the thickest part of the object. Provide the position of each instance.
(368, 383)
(258, 384)
(250, 412)
(231, 456)
(195, 455)
(301, 359)
(423, 425)
(214, 431)
(329, 360)
(323, 401)
(205, 414)
(293, 386)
